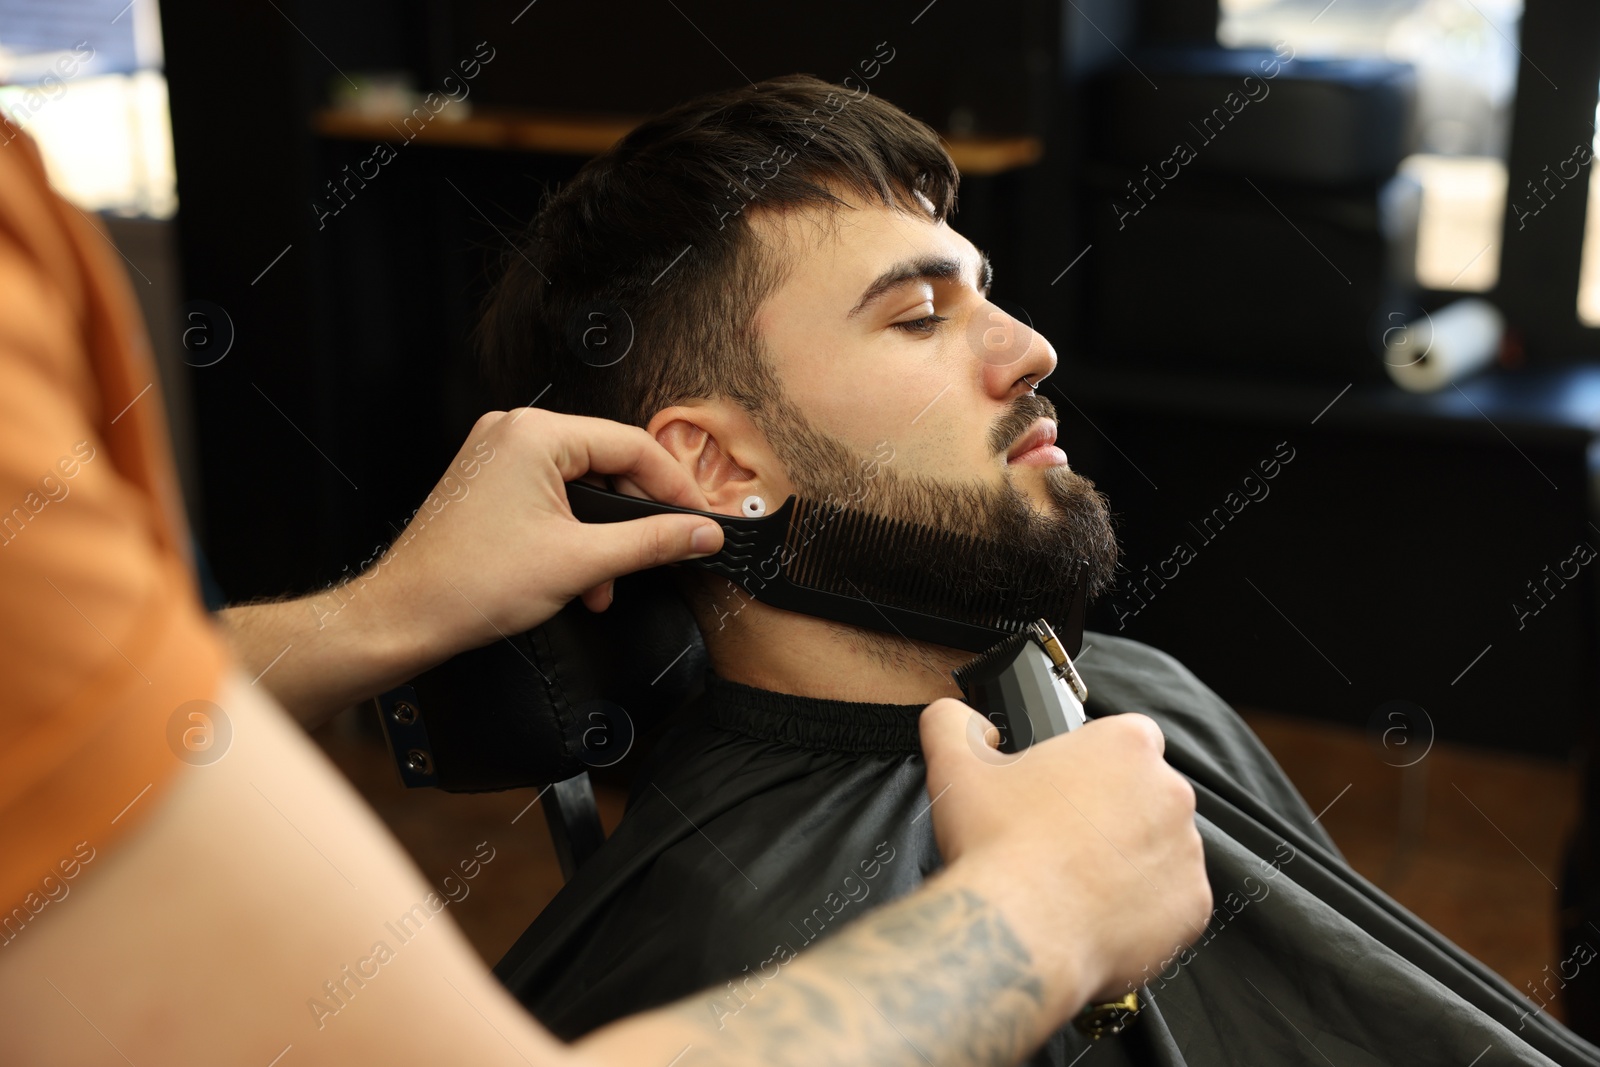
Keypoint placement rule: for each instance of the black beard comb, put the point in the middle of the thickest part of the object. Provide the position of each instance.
(849, 566)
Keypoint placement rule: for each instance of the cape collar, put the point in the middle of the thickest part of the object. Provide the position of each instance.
(811, 722)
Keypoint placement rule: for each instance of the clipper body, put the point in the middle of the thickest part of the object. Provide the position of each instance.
(1027, 686)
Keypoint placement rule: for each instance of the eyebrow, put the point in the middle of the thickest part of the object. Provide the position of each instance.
(930, 268)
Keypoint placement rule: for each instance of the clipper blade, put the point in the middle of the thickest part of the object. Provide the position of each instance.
(987, 664)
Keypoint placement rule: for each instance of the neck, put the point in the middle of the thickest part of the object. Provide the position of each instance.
(769, 648)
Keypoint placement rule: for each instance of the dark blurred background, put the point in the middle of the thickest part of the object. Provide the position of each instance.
(1412, 571)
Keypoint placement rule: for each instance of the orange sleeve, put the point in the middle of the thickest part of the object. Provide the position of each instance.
(102, 635)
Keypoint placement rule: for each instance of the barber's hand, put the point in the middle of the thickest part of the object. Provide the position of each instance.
(495, 549)
(1094, 834)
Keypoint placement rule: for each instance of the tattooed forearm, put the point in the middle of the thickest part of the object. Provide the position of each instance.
(933, 979)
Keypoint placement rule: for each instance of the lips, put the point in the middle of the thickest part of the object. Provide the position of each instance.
(1037, 447)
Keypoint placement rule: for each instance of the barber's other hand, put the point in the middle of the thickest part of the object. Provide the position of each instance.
(1094, 835)
(495, 549)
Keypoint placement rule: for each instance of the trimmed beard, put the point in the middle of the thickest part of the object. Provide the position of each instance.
(1011, 546)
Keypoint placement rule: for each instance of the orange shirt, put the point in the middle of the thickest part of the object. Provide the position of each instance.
(102, 635)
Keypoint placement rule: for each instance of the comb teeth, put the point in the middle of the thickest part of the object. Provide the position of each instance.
(862, 569)
(998, 656)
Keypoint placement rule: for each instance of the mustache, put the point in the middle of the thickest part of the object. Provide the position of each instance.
(1015, 422)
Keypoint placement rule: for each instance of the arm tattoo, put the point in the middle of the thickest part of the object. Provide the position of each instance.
(932, 979)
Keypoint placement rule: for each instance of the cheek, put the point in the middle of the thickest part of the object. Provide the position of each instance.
(939, 429)
(862, 388)
(878, 396)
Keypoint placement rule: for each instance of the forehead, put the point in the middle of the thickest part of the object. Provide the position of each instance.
(825, 256)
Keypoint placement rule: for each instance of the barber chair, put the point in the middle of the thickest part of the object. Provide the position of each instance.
(543, 707)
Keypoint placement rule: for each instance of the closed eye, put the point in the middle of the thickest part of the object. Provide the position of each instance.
(925, 325)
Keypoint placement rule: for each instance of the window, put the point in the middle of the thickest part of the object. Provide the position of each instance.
(1589, 267)
(1466, 58)
(83, 79)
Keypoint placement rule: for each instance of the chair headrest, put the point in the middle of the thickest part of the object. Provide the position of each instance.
(544, 705)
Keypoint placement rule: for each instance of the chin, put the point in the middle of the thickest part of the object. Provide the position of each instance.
(1034, 480)
(1042, 508)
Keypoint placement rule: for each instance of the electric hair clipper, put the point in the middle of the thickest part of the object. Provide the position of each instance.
(1027, 686)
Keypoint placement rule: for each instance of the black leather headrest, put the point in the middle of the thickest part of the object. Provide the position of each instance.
(550, 703)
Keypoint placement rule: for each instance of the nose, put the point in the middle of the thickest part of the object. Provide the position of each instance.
(1008, 351)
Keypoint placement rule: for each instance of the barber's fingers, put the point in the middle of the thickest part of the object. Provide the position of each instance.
(1143, 725)
(599, 598)
(946, 721)
(485, 423)
(585, 444)
(603, 551)
(952, 731)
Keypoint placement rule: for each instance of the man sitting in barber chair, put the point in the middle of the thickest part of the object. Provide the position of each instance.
(804, 314)
(244, 907)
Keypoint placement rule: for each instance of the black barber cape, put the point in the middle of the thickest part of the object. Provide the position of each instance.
(809, 814)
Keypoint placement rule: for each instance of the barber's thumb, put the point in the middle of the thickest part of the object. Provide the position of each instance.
(620, 548)
(953, 731)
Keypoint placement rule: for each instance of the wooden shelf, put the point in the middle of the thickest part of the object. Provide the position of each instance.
(587, 135)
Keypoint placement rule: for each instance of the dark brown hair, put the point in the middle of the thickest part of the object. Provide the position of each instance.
(648, 250)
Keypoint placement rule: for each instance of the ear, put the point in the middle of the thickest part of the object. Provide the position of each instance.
(724, 452)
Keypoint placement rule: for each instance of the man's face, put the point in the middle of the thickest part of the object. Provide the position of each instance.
(881, 331)
(855, 334)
